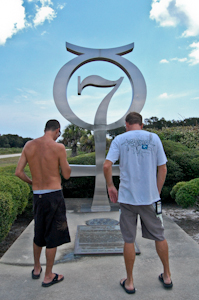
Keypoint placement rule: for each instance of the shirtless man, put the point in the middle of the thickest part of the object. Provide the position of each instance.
(45, 158)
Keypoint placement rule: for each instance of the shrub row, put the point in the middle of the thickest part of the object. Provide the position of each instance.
(14, 196)
(187, 135)
(182, 165)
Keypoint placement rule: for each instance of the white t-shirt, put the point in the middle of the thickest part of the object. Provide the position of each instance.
(139, 153)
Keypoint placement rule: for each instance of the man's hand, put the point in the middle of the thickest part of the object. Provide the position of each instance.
(161, 176)
(113, 194)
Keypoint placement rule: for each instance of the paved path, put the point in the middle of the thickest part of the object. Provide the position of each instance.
(16, 154)
(97, 277)
(9, 155)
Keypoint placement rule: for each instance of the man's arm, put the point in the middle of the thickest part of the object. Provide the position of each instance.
(112, 191)
(65, 168)
(19, 172)
(161, 176)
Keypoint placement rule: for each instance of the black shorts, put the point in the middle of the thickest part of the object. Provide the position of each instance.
(51, 228)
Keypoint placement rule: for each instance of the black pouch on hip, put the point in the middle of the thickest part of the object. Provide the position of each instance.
(158, 207)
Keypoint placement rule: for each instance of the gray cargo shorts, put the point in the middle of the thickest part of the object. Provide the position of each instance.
(152, 226)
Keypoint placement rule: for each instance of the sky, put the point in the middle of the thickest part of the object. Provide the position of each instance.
(33, 36)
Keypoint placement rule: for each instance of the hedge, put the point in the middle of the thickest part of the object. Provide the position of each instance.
(176, 188)
(6, 208)
(183, 165)
(13, 200)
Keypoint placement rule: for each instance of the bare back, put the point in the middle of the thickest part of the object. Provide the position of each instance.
(44, 158)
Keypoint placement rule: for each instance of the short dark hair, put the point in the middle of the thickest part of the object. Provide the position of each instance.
(52, 125)
(133, 118)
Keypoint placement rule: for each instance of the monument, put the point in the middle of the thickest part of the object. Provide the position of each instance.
(100, 126)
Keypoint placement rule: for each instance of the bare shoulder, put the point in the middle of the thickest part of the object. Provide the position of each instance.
(60, 147)
(31, 146)
(28, 145)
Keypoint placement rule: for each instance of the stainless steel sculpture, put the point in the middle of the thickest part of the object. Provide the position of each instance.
(100, 126)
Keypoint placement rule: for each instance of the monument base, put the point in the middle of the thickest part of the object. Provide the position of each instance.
(85, 205)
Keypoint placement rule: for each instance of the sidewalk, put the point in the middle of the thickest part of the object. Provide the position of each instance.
(97, 277)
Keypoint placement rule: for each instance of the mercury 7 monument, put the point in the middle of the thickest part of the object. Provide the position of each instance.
(100, 126)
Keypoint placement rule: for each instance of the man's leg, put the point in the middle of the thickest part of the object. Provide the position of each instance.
(163, 253)
(37, 254)
(50, 257)
(129, 258)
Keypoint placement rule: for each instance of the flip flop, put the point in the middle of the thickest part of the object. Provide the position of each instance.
(36, 276)
(126, 290)
(166, 285)
(55, 280)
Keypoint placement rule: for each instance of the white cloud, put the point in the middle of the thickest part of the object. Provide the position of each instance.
(61, 6)
(194, 55)
(164, 61)
(164, 96)
(179, 59)
(172, 96)
(196, 98)
(182, 59)
(12, 18)
(44, 32)
(45, 12)
(174, 12)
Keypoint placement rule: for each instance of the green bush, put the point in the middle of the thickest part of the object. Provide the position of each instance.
(184, 160)
(25, 191)
(176, 188)
(174, 175)
(80, 187)
(187, 195)
(187, 135)
(195, 167)
(171, 147)
(183, 165)
(10, 170)
(84, 159)
(6, 206)
(19, 191)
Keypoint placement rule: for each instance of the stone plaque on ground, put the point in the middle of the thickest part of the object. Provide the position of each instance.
(99, 240)
(102, 221)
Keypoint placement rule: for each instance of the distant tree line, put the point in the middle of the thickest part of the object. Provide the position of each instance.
(156, 123)
(12, 141)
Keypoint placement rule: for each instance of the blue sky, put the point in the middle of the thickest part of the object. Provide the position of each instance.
(33, 34)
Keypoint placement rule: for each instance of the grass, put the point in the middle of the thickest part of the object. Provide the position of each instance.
(10, 150)
(4, 162)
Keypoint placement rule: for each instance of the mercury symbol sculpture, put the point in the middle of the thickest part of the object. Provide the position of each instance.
(100, 126)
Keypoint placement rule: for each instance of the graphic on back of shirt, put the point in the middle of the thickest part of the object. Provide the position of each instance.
(139, 146)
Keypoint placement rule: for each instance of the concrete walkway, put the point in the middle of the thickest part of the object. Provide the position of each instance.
(15, 155)
(9, 155)
(97, 277)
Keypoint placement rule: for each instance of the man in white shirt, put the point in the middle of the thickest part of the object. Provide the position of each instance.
(143, 170)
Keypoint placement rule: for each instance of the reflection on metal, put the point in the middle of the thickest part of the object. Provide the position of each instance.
(100, 126)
